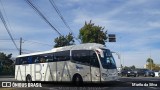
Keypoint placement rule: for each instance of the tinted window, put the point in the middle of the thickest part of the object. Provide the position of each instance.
(94, 59)
(81, 56)
(43, 58)
(108, 61)
(17, 61)
(62, 56)
(29, 60)
(36, 59)
(23, 60)
(49, 58)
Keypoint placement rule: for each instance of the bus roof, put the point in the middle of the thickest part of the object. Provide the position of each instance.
(86, 46)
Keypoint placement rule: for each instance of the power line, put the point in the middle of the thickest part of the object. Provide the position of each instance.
(60, 15)
(42, 16)
(5, 14)
(8, 31)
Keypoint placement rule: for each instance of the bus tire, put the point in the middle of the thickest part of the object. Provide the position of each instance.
(77, 80)
(28, 79)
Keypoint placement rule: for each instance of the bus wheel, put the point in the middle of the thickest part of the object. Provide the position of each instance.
(77, 80)
(28, 79)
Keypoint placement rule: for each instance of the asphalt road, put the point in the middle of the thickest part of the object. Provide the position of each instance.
(124, 83)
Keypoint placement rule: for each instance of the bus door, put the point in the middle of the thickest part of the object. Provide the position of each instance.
(95, 67)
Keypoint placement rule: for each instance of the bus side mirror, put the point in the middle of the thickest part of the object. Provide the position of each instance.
(117, 55)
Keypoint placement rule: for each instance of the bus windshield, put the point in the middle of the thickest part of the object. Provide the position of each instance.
(108, 61)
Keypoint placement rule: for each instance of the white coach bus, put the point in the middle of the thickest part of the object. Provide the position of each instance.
(88, 62)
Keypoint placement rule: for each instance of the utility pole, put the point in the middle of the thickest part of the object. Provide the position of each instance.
(20, 49)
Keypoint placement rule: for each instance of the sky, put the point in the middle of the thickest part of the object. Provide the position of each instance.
(136, 24)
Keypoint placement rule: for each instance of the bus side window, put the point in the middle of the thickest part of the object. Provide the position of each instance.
(20, 60)
(67, 55)
(30, 59)
(17, 61)
(42, 58)
(56, 56)
(24, 60)
(94, 59)
(49, 58)
(76, 56)
(62, 56)
(36, 59)
(81, 56)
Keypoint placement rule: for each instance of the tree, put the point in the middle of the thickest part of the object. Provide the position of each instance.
(91, 33)
(150, 63)
(130, 67)
(126, 68)
(5, 59)
(156, 67)
(6, 64)
(64, 40)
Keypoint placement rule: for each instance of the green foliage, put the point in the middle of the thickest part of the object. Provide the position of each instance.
(130, 67)
(5, 59)
(91, 33)
(156, 67)
(64, 40)
(6, 64)
(150, 60)
(126, 68)
(150, 64)
(133, 67)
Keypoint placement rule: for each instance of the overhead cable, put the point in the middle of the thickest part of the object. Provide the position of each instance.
(42, 16)
(8, 31)
(60, 15)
